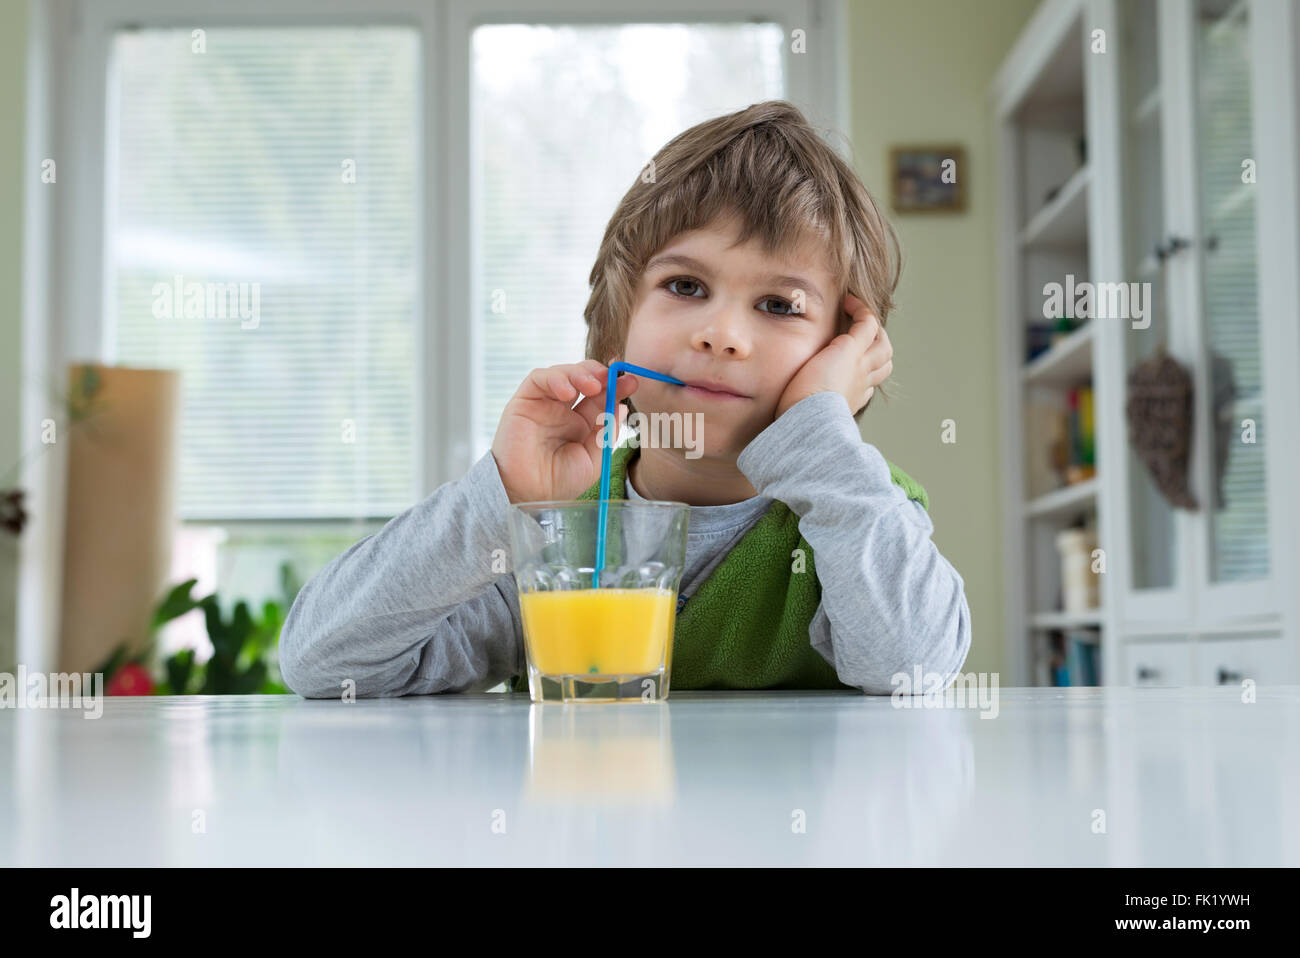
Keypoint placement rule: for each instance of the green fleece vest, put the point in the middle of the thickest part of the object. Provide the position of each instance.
(746, 627)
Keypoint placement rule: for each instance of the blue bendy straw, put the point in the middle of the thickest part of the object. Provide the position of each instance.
(611, 422)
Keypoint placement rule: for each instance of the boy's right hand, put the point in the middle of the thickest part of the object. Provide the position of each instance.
(543, 448)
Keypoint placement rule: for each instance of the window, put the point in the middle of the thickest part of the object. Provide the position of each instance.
(307, 209)
(563, 120)
(263, 240)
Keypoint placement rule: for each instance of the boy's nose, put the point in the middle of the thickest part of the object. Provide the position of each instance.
(725, 333)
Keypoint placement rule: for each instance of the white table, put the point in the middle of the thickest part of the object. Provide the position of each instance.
(1183, 776)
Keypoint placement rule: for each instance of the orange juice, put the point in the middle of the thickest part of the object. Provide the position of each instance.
(602, 631)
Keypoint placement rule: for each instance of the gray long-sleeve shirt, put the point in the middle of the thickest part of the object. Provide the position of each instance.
(423, 605)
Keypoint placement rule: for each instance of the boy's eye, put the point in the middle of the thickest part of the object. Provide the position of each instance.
(692, 286)
(789, 306)
(681, 279)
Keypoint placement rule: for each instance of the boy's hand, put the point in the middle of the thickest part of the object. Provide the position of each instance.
(543, 448)
(852, 364)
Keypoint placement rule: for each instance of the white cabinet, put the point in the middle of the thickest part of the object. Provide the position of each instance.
(1266, 658)
(1178, 212)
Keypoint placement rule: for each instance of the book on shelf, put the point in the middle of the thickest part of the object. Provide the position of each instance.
(1040, 335)
(1061, 441)
(1080, 463)
(1075, 657)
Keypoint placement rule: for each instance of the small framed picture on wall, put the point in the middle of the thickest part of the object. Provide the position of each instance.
(928, 179)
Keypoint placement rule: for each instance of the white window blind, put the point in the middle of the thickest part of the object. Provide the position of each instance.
(271, 178)
(564, 118)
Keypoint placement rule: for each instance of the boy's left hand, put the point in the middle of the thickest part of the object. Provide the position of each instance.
(852, 364)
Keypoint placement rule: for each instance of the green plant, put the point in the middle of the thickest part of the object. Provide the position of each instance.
(243, 646)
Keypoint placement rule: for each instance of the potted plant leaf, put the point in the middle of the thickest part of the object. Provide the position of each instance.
(244, 647)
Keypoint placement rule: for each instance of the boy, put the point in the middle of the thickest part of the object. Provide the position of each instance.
(729, 268)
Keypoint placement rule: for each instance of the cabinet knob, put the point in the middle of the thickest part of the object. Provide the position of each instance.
(1175, 244)
(1145, 672)
(1226, 676)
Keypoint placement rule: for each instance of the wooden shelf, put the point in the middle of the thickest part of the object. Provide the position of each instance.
(1062, 223)
(1067, 363)
(1063, 502)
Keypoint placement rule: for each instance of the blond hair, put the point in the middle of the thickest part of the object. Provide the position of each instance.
(767, 164)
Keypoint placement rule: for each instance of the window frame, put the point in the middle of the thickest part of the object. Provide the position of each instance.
(447, 351)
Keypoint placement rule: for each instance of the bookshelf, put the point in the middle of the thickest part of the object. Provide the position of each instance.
(1118, 164)
(1047, 199)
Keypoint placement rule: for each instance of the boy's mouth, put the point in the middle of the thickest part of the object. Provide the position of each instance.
(711, 389)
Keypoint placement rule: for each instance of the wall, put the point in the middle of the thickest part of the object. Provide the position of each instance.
(13, 87)
(919, 73)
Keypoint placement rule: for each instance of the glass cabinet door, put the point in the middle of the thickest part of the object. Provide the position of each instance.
(1154, 576)
(1235, 431)
(1189, 208)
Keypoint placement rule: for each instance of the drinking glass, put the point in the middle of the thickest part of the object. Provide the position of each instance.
(606, 638)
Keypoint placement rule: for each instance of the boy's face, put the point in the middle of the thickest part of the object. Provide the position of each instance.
(728, 317)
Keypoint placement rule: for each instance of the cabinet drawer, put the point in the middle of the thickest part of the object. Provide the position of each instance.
(1229, 661)
(1164, 663)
